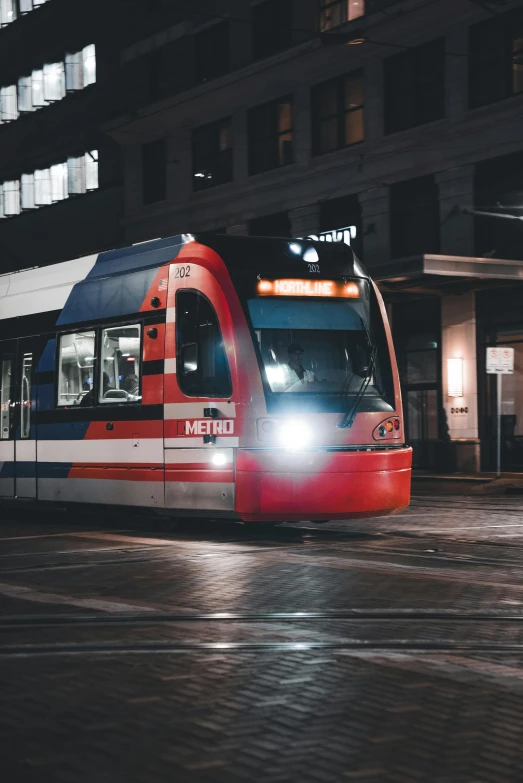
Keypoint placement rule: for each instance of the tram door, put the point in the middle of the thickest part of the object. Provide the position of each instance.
(200, 413)
(17, 432)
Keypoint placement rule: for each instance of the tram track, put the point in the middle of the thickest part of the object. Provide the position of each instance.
(21, 622)
(161, 647)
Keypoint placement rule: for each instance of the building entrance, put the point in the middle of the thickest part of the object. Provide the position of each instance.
(416, 327)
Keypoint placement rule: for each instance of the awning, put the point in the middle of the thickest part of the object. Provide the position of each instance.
(431, 274)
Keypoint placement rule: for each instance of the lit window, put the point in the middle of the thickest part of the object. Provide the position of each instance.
(337, 112)
(496, 58)
(54, 82)
(46, 186)
(76, 175)
(76, 368)
(7, 12)
(212, 155)
(11, 198)
(9, 103)
(89, 65)
(25, 94)
(37, 79)
(91, 170)
(42, 187)
(58, 178)
(270, 135)
(120, 370)
(27, 191)
(73, 71)
(334, 13)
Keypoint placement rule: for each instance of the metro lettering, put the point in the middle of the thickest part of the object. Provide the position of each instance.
(209, 427)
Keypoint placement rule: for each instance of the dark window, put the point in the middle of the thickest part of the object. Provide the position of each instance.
(212, 51)
(272, 27)
(337, 113)
(415, 86)
(212, 154)
(202, 367)
(165, 71)
(496, 59)
(344, 212)
(157, 85)
(270, 135)
(276, 225)
(154, 180)
(498, 188)
(334, 13)
(414, 217)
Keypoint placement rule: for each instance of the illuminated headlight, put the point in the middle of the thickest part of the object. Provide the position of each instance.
(295, 435)
(218, 459)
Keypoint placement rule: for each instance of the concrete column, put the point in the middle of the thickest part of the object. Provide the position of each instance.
(305, 220)
(456, 72)
(456, 189)
(374, 101)
(301, 120)
(240, 161)
(458, 341)
(375, 220)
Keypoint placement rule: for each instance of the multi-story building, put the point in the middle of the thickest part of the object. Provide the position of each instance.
(60, 176)
(378, 122)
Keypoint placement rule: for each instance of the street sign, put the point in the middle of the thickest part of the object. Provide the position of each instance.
(500, 361)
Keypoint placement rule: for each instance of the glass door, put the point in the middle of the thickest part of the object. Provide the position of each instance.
(511, 405)
(7, 402)
(25, 434)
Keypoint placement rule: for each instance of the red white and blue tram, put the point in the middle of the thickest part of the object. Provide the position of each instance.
(242, 377)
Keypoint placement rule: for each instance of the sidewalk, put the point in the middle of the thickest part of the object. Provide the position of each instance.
(486, 483)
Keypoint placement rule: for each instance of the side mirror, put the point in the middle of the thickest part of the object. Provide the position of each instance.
(189, 358)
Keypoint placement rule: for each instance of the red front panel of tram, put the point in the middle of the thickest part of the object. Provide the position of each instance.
(321, 484)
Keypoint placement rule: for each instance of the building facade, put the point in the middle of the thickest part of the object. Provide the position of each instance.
(379, 122)
(61, 191)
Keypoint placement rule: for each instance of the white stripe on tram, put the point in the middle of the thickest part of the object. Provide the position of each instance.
(103, 452)
(194, 410)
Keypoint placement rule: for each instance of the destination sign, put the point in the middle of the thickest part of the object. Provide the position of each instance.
(326, 288)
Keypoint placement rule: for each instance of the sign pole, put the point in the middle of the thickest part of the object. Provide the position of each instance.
(498, 444)
(500, 361)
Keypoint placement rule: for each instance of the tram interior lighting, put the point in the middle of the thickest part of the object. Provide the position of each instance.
(219, 459)
(455, 377)
(295, 435)
(297, 287)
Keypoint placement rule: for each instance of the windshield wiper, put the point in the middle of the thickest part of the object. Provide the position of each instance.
(348, 419)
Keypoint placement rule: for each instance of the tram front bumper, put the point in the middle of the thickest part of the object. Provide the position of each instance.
(275, 485)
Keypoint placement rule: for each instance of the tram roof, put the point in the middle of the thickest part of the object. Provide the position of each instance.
(41, 289)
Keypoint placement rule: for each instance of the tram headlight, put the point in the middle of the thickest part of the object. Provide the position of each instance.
(295, 434)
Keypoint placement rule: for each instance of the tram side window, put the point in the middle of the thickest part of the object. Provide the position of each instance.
(120, 368)
(76, 367)
(202, 367)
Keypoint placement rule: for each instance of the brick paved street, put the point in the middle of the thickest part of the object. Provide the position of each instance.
(372, 650)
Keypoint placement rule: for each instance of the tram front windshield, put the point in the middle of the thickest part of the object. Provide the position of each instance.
(315, 346)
